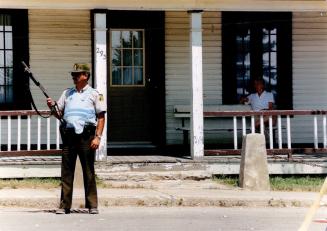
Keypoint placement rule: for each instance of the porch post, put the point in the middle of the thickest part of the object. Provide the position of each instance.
(100, 72)
(197, 149)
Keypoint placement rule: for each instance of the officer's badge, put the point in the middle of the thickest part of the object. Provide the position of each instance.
(101, 97)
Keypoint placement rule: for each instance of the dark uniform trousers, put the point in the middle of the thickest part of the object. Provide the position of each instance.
(73, 145)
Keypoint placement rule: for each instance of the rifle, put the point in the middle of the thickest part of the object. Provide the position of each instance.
(54, 108)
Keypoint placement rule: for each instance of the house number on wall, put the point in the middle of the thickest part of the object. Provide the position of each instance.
(101, 53)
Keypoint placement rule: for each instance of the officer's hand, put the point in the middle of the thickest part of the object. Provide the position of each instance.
(50, 102)
(95, 143)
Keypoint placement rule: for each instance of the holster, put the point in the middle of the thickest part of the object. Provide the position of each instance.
(88, 131)
(63, 133)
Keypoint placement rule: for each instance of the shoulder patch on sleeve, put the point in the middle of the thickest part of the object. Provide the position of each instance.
(101, 98)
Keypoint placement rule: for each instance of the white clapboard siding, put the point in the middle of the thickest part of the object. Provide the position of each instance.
(57, 40)
(309, 69)
(178, 75)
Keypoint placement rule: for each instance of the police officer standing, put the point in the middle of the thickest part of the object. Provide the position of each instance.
(83, 110)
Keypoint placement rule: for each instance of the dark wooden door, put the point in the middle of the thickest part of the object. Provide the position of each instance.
(136, 77)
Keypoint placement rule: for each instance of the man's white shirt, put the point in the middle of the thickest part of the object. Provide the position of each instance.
(261, 102)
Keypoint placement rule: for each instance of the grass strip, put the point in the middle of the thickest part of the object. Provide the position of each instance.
(295, 183)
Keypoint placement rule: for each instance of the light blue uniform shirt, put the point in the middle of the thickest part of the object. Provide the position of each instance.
(81, 108)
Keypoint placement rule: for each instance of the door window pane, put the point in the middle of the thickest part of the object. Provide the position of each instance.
(116, 57)
(127, 76)
(127, 57)
(116, 76)
(138, 76)
(127, 39)
(115, 39)
(137, 39)
(138, 58)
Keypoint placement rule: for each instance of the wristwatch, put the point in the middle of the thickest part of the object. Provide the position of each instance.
(99, 136)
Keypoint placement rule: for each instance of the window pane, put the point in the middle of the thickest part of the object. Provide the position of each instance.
(9, 94)
(273, 42)
(239, 59)
(1, 40)
(265, 31)
(6, 94)
(127, 57)
(1, 22)
(242, 45)
(269, 59)
(270, 77)
(2, 59)
(2, 94)
(265, 59)
(115, 39)
(116, 76)
(273, 60)
(116, 57)
(7, 23)
(138, 39)
(127, 76)
(9, 59)
(127, 41)
(138, 76)
(138, 57)
(2, 76)
(8, 40)
(265, 42)
(9, 76)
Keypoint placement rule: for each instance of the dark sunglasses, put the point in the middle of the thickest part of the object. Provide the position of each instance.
(76, 75)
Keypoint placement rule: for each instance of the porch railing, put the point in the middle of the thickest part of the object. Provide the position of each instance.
(276, 142)
(24, 132)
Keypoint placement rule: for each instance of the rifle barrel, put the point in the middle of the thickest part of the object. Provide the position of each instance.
(37, 83)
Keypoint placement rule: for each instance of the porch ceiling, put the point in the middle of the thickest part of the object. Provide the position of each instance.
(208, 5)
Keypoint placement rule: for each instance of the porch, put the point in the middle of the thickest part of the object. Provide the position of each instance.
(24, 133)
(189, 35)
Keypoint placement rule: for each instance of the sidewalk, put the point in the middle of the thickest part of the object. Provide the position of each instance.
(161, 193)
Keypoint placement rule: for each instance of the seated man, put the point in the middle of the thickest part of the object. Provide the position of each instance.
(260, 100)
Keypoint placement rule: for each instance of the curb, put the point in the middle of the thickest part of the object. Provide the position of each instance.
(162, 201)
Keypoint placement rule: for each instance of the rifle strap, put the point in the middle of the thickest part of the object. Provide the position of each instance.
(34, 106)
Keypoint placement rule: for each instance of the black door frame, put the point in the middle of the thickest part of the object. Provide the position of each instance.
(150, 21)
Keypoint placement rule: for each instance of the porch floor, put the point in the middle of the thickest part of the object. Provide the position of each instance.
(49, 166)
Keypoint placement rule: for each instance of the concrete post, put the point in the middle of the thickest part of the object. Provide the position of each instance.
(197, 149)
(100, 69)
(254, 165)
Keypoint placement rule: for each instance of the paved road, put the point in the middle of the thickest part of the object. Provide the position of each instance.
(165, 219)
